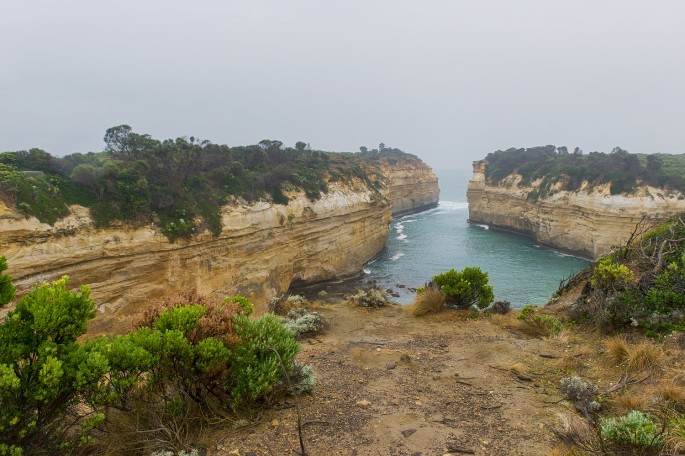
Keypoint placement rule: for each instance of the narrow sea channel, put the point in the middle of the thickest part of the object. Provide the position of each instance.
(424, 244)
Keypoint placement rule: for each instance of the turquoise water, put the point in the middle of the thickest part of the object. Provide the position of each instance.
(424, 244)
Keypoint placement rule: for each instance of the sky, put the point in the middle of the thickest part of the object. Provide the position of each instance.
(449, 81)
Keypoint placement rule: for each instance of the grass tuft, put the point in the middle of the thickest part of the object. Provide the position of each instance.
(617, 349)
(431, 300)
(645, 356)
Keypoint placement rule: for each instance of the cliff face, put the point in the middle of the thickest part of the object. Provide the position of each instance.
(587, 222)
(262, 249)
(413, 186)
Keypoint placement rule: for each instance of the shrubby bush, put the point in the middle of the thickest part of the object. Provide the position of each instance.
(648, 294)
(373, 297)
(302, 379)
(611, 276)
(281, 305)
(500, 307)
(633, 433)
(303, 322)
(465, 288)
(44, 373)
(189, 360)
(582, 394)
(544, 323)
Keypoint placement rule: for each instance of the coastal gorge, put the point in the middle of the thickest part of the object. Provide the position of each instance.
(261, 248)
(578, 203)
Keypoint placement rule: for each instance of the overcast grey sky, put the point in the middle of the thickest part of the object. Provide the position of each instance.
(447, 80)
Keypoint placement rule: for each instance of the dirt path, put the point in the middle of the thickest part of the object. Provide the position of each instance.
(391, 384)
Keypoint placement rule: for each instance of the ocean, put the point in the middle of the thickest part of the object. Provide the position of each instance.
(424, 244)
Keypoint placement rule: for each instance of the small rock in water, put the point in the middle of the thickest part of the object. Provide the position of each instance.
(408, 432)
(399, 285)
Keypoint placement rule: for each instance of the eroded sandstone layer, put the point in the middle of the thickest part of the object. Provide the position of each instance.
(587, 222)
(261, 250)
(413, 186)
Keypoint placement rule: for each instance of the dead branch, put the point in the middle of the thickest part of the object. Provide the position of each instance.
(625, 380)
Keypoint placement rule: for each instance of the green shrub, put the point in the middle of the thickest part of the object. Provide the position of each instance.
(44, 372)
(184, 364)
(465, 288)
(258, 361)
(633, 433)
(609, 275)
(544, 323)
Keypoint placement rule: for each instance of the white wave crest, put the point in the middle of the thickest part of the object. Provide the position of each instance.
(452, 205)
(397, 256)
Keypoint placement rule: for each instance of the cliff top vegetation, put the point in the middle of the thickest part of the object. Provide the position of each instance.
(174, 182)
(624, 171)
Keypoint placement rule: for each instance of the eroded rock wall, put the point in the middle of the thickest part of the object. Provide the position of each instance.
(413, 186)
(587, 222)
(263, 248)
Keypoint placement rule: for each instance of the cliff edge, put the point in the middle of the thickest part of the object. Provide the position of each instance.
(263, 247)
(587, 221)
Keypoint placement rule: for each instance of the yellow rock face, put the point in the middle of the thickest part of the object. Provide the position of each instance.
(262, 249)
(586, 222)
(413, 186)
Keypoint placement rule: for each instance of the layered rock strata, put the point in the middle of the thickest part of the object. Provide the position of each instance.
(262, 249)
(587, 222)
(413, 186)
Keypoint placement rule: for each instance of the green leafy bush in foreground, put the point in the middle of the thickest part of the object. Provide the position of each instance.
(185, 364)
(465, 288)
(44, 373)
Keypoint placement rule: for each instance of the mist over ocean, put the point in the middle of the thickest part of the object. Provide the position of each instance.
(424, 244)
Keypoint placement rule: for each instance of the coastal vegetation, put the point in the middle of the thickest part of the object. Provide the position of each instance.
(178, 184)
(461, 289)
(640, 284)
(190, 361)
(620, 170)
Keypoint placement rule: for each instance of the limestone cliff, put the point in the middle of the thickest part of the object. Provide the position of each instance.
(262, 249)
(413, 186)
(587, 222)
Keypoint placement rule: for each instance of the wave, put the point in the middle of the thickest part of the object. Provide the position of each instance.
(397, 256)
(367, 271)
(558, 253)
(452, 205)
(485, 227)
(402, 237)
(445, 207)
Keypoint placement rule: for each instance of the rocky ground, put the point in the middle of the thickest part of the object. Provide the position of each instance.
(392, 384)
